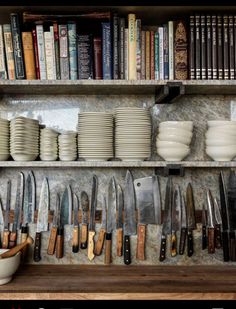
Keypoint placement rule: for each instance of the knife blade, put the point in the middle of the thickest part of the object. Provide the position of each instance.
(53, 233)
(1, 221)
(183, 231)
(175, 219)
(130, 227)
(102, 232)
(204, 225)
(42, 220)
(218, 223)
(92, 218)
(166, 226)
(84, 228)
(232, 214)
(75, 241)
(191, 221)
(210, 222)
(6, 232)
(119, 222)
(156, 200)
(111, 218)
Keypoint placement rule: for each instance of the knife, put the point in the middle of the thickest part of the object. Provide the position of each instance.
(204, 231)
(183, 230)
(6, 232)
(232, 214)
(156, 199)
(53, 233)
(119, 222)
(92, 218)
(84, 228)
(1, 221)
(42, 220)
(102, 232)
(17, 210)
(210, 222)
(218, 223)
(166, 226)
(130, 227)
(75, 241)
(191, 221)
(175, 219)
(225, 217)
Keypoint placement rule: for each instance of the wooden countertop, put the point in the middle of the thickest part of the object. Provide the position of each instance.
(134, 282)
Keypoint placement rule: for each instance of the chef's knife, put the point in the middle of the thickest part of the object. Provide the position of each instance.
(166, 226)
(84, 228)
(42, 220)
(75, 239)
(130, 226)
(183, 230)
(1, 221)
(191, 219)
(54, 228)
(156, 199)
(218, 223)
(119, 222)
(175, 219)
(210, 222)
(232, 214)
(6, 232)
(92, 218)
(204, 228)
(102, 232)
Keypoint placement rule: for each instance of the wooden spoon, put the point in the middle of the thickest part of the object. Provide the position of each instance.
(29, 240)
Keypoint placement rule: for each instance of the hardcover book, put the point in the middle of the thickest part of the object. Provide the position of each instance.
(115, 37)
(180, 51)
(219, 47)
(132, 46)
(85, 56)
(29, 58)
(97, 48)
(3, 71)
(209, 47)
(214, 47)
(64, 51)
(9, 51)
(226, 46)
(203, 47)
(197, 47)
(41, 51)
(72, 41)
(106, 51)
(192, 48)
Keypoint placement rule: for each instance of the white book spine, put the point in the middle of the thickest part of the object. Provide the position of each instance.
(171, 49)
(41, 51)
(138, 48)
(3, 71)
(53, 53)
(161, 52)
(49, 54)
(126, 55)
(132, 47)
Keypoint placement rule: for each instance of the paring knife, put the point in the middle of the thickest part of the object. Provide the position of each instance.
(204, 228)
(218, 223)
(92, 219)
(6, 232)
(175, 219)
(84, 228)
(183, 230)
(42, 220)
(232, 214)
(210, 222)
(75, 239)
(102, 232)
(191, 219)
(54, 228)
(119, 222)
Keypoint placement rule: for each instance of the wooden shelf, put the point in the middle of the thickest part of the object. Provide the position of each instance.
(77, 282)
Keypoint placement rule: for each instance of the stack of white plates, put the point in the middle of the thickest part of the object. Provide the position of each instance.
(24, 139)
(132, 133)
(221, 140)
(48, 144)
(95, 136)
(4, 139)
(174, 139)
(68, 146)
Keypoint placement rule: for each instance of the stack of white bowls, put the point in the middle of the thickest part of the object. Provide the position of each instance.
(132, 133)
(24, 139)
(48, 144)
(4, 139)
(174, 139)
(68, 146)
(221, 140)
(95, 136)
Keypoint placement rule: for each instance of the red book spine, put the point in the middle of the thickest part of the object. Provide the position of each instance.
(36, 54)
(152, 54)
(97, 47)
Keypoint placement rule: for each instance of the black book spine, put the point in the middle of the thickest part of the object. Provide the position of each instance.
(235, 45)
(122, 47)
(214, 47)
(115, 47)
(231, 47)
(209, 49)
(226, 46)
(203, 46)
(192, 48)
(198, 47)
(219, 47)
(85, 56)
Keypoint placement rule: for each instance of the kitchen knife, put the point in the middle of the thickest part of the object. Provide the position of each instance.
(119, 222)
(156, 199)
(54, 228)
(1, 221)
(84, 228)
(191, 219)
(183, 230)
(204, 228)
(92, 218)
(175, 219)
(102, 232)
(166, 226)
(210, 222)
(111, 218)
(75, 239)
(42, 220)
(218, 223)
(225, 217)
(232, 214)
(130, 226)
(17, 210)
(6, 232)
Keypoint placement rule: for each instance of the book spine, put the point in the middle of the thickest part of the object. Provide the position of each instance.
(143, 55)
(36, 54)
(126, 58)
(156, 44)
(57, 52)
(166, 51)
(214, 47)
(171, 49)
(85, 57)
(97, 48)
(198, 47)
(3, 71)
(181, 69)
(161, 53)
(132, 46)
(152, 55)
(121, 47)
(9, 51)
(231, 47)
(53, 53)
(115, 53)
(72, 40)
(209, 47)
(28, 49)
(64, 53)
(219, 47)
(106, 51)
(138, 48)
(235, 46)
(203, 47)
(192, 65)
(226, 46)
(48, 38)
(17, 46)
(147, 53)
(41, 52)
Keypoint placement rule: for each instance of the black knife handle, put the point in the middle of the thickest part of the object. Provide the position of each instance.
(218, 240)
(127, 255)
(37, 247)
(182, 240)
(232, 246)
(190, 243)
(163, 248)
(204, 237)
(225, 244)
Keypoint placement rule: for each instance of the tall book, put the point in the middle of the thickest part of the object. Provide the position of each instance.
(226, 46)
(57, 52)
(231, 47)
(49, 52)
(209, 46)
(171, 48)
(156, 44)
(166, 51)
(36, 54)
(161, 53)
(197, 47)
(121, 47)
(3, 69)
(126, 60)
(152, 54)
(235, 46)
(97, 49)
(138, 48)
(85, 56)
(64, 51)
(106, 51)
(115, 53)
(41, 52)
(181, 69)
(9, 51)
(203, 47)
(72, 41)
(219, 47)
(17, 46)
(132, 46)
(148, 56)
(214, 47)
(192, 49)
(29, 58)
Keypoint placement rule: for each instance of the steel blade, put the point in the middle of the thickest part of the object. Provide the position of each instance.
(32, 203)
(8, 205)
(29, 199)
(1, 217)
(76, 209)
(93, 204)
(175, 212)
(104, 214)
(130, 226)
(183, 212)
(191, 219)
(166, 227)
(156, 200)
(224, 203)
(66, 207)
(42, 220)
(19, 202)
(120, 207)
(232, 200)
(210, 210)
(85, 207)
(217, 213)
(112, 205)
(56, 211)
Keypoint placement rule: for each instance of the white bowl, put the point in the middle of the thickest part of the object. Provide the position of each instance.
(173, 154)
(221, 153)
(8, 266)
(222, 130)
(219, 135)
(226, 141)
(216, 123)
(176, 131)
(174, 138)
(186, 125)
(168, 144)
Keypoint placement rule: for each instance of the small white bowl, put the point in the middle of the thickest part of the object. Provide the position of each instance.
(216, 123)
(173, 154)
(174, 138)
(226, 141)
(176, 131)
(221, 153)
(8, 266)
(168, 144)
(185, 125)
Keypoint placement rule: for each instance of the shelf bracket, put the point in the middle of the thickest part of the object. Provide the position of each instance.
(169, 93)
(173, 170)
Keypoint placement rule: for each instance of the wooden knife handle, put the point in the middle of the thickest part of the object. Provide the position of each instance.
(12, 239)
(225, 244)
(173, 244)
(232, 246)
(119, 242)
(37, 247)
(218, 240)
(52, 241)
(5, 243)
(24, 235)
(211, 240)
(140, 252)
(182, 240)
(100, 242)
(16, 249)
(75, 239)
(91, 245)
(204, 237)
(84, 236)
(127, 253)
(108, 248)
(163, 248)
(190, 243)
(60, 243)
